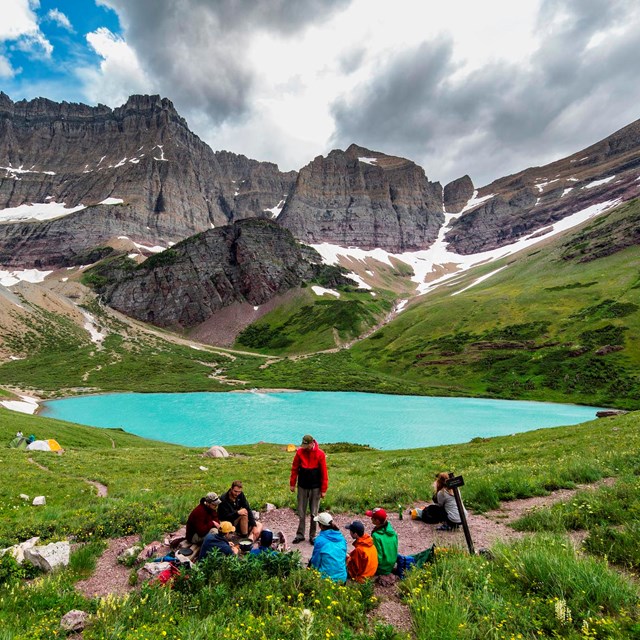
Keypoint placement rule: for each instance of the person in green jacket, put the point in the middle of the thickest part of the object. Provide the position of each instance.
(385, 540)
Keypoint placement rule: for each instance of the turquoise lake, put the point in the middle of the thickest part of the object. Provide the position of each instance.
(381, 421)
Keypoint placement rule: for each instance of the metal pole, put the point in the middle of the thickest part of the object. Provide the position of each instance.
(463, 517)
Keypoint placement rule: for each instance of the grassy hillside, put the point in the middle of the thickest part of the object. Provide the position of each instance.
(152, 487)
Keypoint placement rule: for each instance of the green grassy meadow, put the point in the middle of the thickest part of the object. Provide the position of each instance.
(153, 486)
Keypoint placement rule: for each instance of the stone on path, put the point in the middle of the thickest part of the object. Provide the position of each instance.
(49, 556)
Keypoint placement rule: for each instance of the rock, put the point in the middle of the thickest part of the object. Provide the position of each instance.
(130, 552)
(74, 620)
(25, 497)
(39, 501)
(609, 413)
(150, 550)
(250, 261)
(152, 569)
(609, 348)
(216, 452)
(457, 194)
(203, 468)
(17, 550)
(256, 515)
(270, 507)
(49, 556)
(366, 199)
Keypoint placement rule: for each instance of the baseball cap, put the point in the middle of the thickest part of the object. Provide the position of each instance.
(378, 512)
(324, 518)
(226, 527)
(307, 439)
(357, 527)
(212, 496)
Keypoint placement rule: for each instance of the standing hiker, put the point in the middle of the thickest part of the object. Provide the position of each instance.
(309, 469)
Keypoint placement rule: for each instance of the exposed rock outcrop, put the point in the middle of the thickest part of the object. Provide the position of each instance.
(364, 198)
(249, 261)
(538, 197)
(457, 194)
(171, 183)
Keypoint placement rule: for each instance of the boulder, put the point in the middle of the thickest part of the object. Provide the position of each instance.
(609, 413)
(25, 497)
(17, 550)
(74, 620)
(49, 556)
(39, 501)
(216, 452)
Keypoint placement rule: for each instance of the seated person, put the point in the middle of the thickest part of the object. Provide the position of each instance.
(329, 550)
(235, 509)
(219, 541)
(385, 540)
(203, 518)
(264, 543)
(362, 562)
(444, 510)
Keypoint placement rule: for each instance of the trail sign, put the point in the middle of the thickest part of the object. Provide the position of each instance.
(458, 481)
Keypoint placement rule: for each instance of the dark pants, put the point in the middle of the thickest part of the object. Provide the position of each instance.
(434, 513)
(307, 498)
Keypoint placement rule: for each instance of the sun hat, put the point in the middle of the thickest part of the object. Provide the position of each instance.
(378, 513)
(324, 518)
(308, 439)
(226, 527)
(357, 527)
(212, 496)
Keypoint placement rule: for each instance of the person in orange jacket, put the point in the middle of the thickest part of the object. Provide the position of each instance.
(309, 469)
(362, 562)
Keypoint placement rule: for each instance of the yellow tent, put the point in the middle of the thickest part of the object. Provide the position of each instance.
(54, 445)
(291, 448)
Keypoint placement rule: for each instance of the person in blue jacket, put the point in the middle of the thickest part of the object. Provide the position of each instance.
(329, 550)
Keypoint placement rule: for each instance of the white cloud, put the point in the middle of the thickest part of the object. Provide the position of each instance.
(119, 74)
(18, 18)
(6, 70)
(55, 15)
(20, 24)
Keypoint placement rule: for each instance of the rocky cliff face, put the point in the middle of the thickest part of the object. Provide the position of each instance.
(457, 194)
(531, 200)
(250, 261)
(171, 183)
(364, 198)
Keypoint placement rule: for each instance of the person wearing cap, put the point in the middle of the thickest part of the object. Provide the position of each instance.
(330, 550)
(220, 541)
(362, 562)
(309, 470)
(264, 543)
(235, 508)
(385, 540)
(203, 518)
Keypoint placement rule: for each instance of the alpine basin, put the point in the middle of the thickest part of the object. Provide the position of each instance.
(381, 421)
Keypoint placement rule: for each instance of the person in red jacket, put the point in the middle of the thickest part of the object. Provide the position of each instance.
(309, 469)
(203, 518)
(362, 562)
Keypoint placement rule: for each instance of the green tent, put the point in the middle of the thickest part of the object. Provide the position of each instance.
(19, 442)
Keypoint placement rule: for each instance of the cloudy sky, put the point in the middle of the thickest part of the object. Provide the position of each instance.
(484, 88)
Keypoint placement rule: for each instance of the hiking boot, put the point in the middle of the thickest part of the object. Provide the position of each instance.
(312, 540)
(447, 527)
(297, 539)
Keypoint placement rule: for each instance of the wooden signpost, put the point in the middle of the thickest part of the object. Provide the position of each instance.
(454, 482)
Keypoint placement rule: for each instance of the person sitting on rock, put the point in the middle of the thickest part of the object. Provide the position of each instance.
(329, 550)
(444, 509)
(362, 562)
(220, 541)
(235, 508)
(385, 540)
(203, 518)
